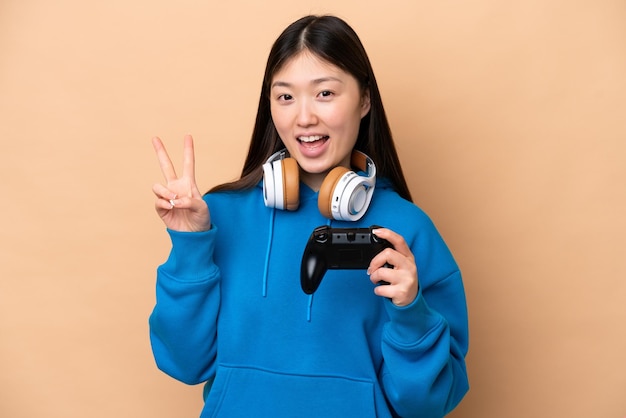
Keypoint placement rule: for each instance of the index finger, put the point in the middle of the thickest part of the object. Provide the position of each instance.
(167, 168)
(397, 240)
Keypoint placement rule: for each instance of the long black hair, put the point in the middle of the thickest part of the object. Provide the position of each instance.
(334, 41)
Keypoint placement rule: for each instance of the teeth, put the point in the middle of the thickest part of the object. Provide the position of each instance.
(310, 138)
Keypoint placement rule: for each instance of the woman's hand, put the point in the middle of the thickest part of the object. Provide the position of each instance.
(402, 278)
(179, 202)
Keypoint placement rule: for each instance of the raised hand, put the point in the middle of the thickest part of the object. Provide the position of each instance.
(179, 202)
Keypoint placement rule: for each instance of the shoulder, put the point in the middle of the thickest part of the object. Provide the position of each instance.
(433, 257)
(390, 210)
(234, 200)
(387, 203)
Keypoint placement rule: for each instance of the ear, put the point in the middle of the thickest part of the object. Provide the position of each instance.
(365, 103)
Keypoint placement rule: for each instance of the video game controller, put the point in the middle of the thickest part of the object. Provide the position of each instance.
(337, 248)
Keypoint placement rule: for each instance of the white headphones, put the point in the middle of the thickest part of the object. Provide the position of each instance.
(344, 195)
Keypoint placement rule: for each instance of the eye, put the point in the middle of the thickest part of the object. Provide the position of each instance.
(285, 97)
(326, 94)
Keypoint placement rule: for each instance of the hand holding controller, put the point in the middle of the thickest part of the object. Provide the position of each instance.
(337, 248)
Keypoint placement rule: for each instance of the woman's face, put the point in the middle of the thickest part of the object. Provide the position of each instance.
(317, 108)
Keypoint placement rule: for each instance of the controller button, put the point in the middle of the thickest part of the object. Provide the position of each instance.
(321, 237)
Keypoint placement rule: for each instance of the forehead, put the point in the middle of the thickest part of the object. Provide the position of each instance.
(305, 67)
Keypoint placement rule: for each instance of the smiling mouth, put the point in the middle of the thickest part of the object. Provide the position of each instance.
(313, 140)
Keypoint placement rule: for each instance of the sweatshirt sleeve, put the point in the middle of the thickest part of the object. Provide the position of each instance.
(183, 323)
(425, 343)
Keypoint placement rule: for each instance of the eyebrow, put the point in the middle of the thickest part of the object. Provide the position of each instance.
(314, 82)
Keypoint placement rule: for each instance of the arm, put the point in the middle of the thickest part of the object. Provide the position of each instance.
(183, 324)
(425, 342)
(184, 321)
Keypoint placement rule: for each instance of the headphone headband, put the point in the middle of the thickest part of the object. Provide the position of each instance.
(278, 155)
(364, 163)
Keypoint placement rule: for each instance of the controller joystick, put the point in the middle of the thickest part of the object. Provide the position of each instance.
(338, 248)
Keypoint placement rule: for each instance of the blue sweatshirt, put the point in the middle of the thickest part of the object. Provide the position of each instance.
(230, 312)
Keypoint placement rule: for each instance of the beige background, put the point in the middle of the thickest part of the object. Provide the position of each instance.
(510, 120)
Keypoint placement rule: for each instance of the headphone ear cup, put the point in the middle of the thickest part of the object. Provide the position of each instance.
(325, 198)
(290, 183)
(269, 187)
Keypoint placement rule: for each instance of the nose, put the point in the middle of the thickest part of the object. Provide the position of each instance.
(306, 114)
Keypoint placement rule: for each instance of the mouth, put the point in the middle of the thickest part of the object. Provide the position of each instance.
(313, 141)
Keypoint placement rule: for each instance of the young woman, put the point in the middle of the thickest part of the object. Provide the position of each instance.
(230, 309)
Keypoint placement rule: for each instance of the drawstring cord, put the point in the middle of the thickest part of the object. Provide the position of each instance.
(310, 304)
(267, 252)
(308, 309)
